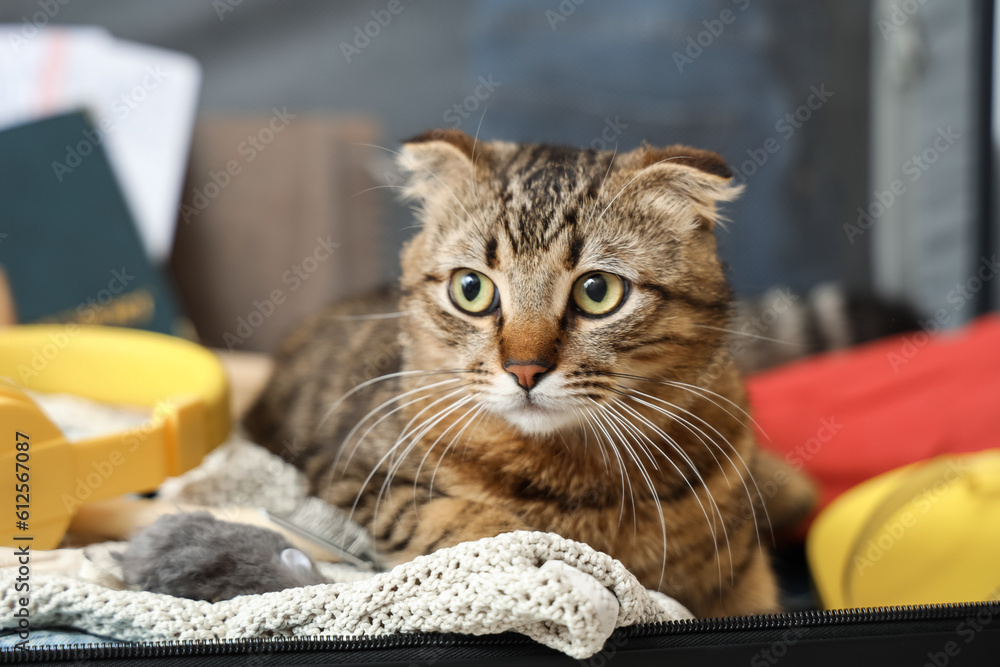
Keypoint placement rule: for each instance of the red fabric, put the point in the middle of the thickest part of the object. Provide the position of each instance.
(845, 417)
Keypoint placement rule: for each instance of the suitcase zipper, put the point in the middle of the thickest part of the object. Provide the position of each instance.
(285, 645)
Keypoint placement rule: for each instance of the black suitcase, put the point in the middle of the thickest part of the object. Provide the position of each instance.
(920, 636)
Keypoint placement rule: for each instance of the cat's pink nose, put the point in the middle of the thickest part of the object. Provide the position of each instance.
(525, 373)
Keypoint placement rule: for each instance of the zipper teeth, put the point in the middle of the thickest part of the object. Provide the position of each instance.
(287, 644)
(191, 647)
(809, 618)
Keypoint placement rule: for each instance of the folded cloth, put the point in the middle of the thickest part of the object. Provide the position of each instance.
(492, 585)
(848, 416)
(561, 593)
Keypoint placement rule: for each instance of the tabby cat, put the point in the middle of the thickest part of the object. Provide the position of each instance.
(556, 361)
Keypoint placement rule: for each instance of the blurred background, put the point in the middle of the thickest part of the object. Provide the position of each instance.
(860, 127)
(219, 169)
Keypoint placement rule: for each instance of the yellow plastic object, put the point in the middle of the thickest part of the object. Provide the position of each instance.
(925, 533)
(182, 383)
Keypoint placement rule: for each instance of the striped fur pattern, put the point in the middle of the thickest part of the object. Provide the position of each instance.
(635, 440)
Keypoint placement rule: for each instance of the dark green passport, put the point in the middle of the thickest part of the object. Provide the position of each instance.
(68, 243)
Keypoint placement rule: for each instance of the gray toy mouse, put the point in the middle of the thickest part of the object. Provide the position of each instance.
(194, 555)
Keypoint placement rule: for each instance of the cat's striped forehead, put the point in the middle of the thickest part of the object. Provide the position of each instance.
(531, 222)
(544, 193)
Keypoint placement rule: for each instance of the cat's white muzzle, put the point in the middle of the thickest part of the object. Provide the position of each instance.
(542, 411)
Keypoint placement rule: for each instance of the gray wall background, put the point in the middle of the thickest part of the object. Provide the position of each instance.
(925, 231)
(564, 69)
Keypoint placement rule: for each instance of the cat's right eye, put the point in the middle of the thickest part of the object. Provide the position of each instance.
(473, 293)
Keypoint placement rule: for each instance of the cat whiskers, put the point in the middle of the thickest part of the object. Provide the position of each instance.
(595, 420)
(584, 424)
(384, 404)
(694, 469)
(673, 443)
(476, 411)
(698, 433)
(388, 456)
(416, 434)
(378, 187)
(634, 431)
(698, 391)
(423, 459)
(703, 390)
(750, 335)
(706, 394)
(628, 450)
(381, 378)
(749, 472)
(415, 438)
(407, 432)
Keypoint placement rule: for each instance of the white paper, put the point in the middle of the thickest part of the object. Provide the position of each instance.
(143, 100)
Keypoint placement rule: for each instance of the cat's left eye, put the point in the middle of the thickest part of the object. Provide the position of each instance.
(598, 293)
(473, 292)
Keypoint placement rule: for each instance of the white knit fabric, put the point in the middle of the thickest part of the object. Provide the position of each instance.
(488, 586)
(493, 585)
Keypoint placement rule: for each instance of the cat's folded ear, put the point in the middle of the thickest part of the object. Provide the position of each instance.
(440, 159)
(674, 177)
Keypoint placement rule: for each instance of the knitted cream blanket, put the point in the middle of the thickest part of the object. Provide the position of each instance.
(559, 592)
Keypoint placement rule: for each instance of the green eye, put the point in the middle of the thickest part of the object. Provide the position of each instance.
(473, 292)
(598, 293)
